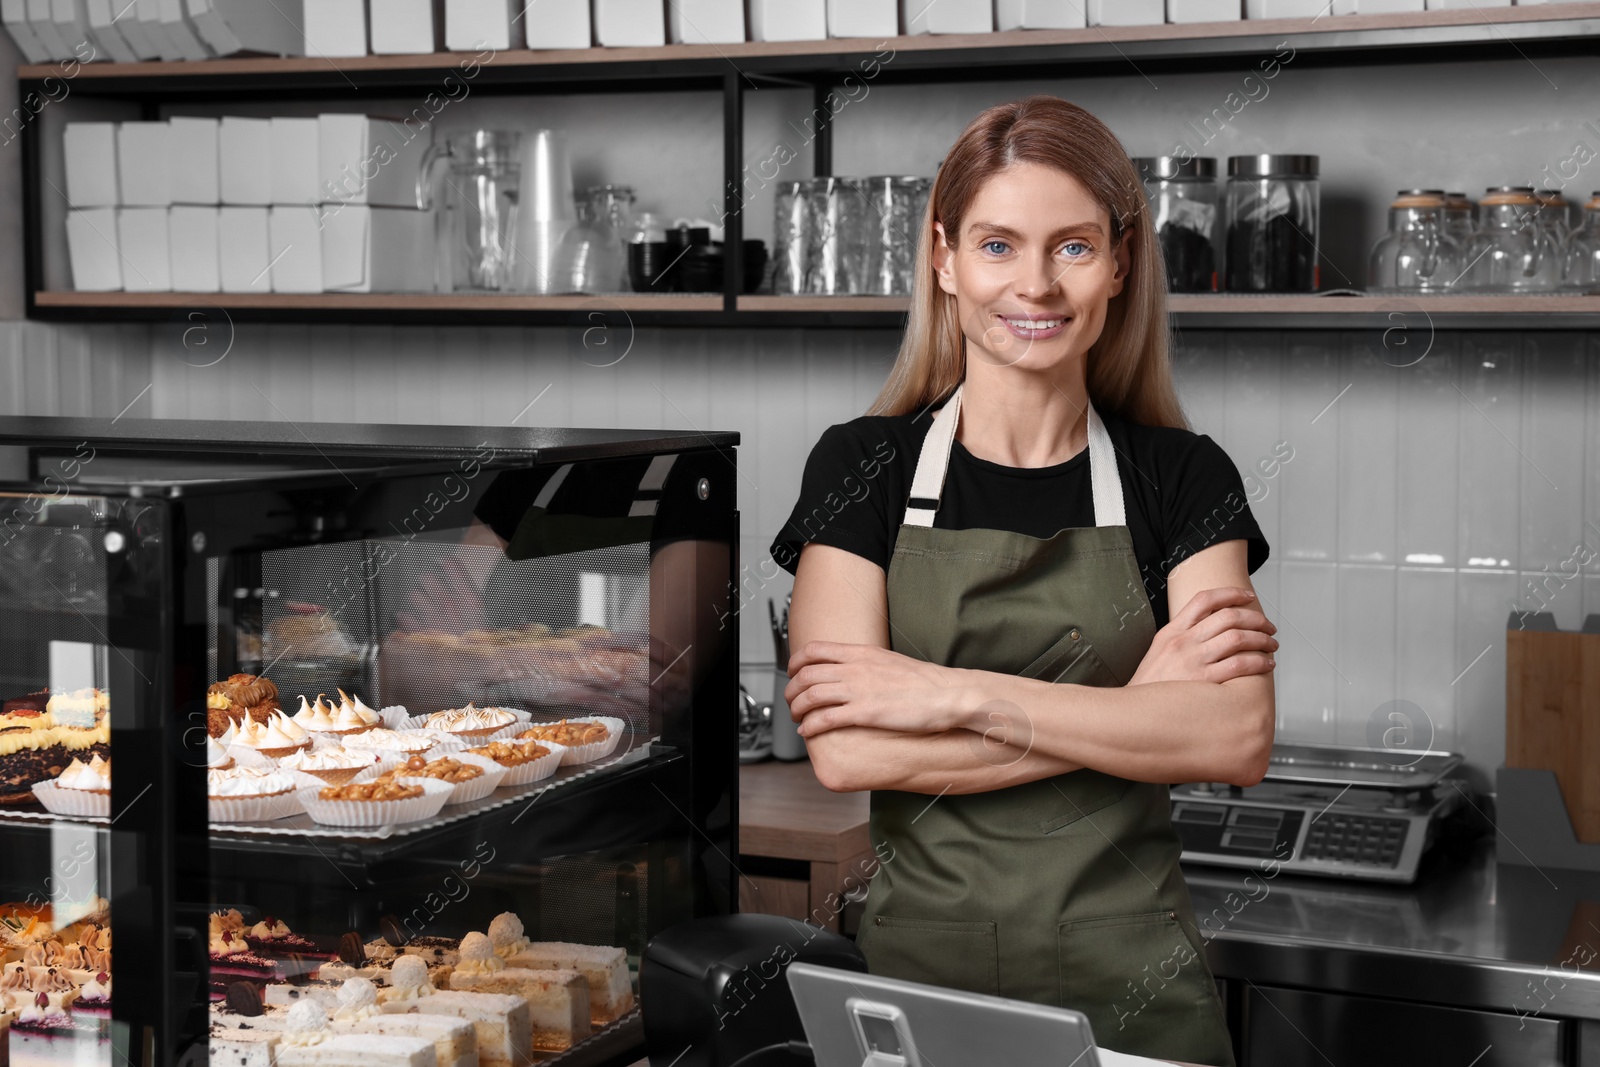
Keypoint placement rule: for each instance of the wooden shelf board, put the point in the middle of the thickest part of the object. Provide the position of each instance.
(756, 50)
(465, 302)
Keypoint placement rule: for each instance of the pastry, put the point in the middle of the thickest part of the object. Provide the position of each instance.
(308, 1040)
(26, 711)
(248, 691)
(239, 782)
(91, 777)
(435, 950)
(231, 958)
(346, 717)
(353, 709)
(504, 1022)
(511, 753)
(336, 766)
(571, 734)
(470, 722)
(30, 755)
(444, 769)
(243, 1048)
(380, 790)
(605, 969)
(455, 1041)
(272, 937)
(217, 757)
(81, 707)
(277, 737)
(47, 1029)
(558, 999)
(409, 741)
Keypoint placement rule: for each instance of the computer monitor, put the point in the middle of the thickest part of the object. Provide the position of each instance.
(859, 1020)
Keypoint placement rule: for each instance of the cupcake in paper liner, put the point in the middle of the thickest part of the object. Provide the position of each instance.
(381, 802)
(337, 765)
(277, 737)
(253, 794)
(525, 761)
(81, 789)
(453, 767)
(349, 716)
(471, 724)
(585, 738)
(403, 744)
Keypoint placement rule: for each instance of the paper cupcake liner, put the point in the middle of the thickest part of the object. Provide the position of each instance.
(58, 801)
(245, 756)
(378, 812)
(479, 787)
(394, 716)
(595, 750)
(254, 809)
(537, 771)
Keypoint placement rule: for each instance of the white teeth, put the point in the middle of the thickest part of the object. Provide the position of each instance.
(1036, 324)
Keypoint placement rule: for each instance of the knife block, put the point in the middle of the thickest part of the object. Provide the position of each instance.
(1553, 711)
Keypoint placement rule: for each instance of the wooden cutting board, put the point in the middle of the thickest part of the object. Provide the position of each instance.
(1553, 716)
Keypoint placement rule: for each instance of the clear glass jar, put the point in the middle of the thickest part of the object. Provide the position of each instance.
(1460, 218)
(888, 228)
(1512, 251)
(789, 239)
(1581, 269)
(1184, 202)
(1416, 255)
(592, 257)
(1272, 210)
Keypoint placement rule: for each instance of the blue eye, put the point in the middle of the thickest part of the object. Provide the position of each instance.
(1082, 249)
(1002, 244)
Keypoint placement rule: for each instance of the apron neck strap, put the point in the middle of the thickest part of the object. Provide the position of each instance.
(927, 485)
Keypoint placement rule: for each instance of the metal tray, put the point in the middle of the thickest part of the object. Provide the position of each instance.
(1384, 768)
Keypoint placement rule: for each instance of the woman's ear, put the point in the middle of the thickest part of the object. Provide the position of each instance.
(1123, 255)
(942, 256)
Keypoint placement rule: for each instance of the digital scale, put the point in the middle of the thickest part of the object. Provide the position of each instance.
(1326, 810)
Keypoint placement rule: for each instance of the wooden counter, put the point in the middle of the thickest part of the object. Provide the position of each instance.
(786, 814)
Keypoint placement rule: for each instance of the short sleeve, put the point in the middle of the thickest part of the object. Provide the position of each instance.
(844, 497)
(1208, 506)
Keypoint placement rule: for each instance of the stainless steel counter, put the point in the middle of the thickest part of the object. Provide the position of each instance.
(1469, 933)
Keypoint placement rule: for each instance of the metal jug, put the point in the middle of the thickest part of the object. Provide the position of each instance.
(483, 183)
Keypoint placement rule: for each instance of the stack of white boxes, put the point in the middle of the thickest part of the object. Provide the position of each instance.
(240, 205)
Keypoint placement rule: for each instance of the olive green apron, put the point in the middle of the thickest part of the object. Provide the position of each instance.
(1064, 891)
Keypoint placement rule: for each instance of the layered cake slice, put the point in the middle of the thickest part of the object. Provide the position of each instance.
(503, 1021)
(558, 999)
(605, 969)
(309, 1040)
(47, 1033)
(455, 1041)
(243, 1048)
(232, 960)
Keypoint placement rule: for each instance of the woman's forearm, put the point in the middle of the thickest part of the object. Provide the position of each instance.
(855, 758)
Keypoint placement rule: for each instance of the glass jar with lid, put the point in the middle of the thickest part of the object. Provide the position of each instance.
(1416, 255)
(1272, 212)
(1460, 218)
(1581, 270)
(1512, 251)
(1184, 202)
(1555, 214)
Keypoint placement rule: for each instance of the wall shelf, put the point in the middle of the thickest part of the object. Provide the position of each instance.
(625, 310)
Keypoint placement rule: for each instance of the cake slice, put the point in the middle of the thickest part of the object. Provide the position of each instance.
(445, 950)
(503, 1023)
(288, 994)
(455, 1040)
(239, 1047)
(604, 969)
(310, 1039)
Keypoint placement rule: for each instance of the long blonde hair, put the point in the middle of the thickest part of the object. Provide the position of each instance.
(1129, 371)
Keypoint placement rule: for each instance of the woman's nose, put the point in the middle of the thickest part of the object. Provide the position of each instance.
(1038, 278)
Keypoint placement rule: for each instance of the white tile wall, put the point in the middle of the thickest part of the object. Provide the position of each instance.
(1403, 530)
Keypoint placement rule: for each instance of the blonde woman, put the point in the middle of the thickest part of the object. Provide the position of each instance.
(1022, 601)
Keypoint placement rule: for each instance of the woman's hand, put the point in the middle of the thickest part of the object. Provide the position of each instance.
(1219, 635)
(833, 684)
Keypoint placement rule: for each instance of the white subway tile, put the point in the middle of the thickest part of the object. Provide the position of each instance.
(1553, 402)
(1368, 417)
(1308, 516)
(1308, 682)
(1428, 463)
(1367, 650)
(1425, 642)
(1491, 469)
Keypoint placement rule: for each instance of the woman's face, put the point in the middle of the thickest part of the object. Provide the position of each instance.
(1033, 268)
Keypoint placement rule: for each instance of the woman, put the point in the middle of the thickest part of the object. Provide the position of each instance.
(985, 565)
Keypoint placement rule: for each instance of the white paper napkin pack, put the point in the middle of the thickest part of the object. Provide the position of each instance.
(1186, 11)
(144, 160)
(192, 240)
(863, 18)
(378, 250)
(229, 26)
(474, 25)
(335, 27)
(90, 149)
(105, 25)
(788, 20)
(365, 160)
(244, 249)
(639, 23)
(948, 16)
(245, 160)
(401, 27)
(558, 24)
(92, 250)
(705, 21)
(193, 167)
(1126, 12)
(143, 248)
(14, 14)
(1042, 14)
(296, 240)
(295, 165)
(42, 19)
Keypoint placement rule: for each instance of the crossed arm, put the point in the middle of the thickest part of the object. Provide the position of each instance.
(1199, 708)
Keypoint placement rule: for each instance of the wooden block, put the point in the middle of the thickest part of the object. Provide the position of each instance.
(1553, 716)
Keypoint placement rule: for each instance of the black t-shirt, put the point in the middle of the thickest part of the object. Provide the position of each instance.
(1181, 494)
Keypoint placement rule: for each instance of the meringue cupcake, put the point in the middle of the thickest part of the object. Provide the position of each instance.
(217, 757)
(471, 723)
(410, 742)
(279, 736)
(250, 794)
(334, 765)
(81, 789)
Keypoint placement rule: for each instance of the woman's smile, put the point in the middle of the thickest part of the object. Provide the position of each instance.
(1035, 327)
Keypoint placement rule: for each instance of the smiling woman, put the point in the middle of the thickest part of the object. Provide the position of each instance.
(1039, 617)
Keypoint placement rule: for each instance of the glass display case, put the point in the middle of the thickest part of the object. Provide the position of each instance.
(420, 735)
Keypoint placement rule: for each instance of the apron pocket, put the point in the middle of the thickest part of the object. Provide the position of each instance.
(1080, 793)
(1144, 986)
(1072, 661)
(958, 955)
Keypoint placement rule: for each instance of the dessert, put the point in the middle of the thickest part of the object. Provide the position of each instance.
(48, 1030)
(511, 753)
(231, 958)
(434, 950)
(272, 937)
(243, 1048)
(604, 969)
(94, 996)
(396, 740)
(308, 1040)
(81, 707)
(381, 789)
(455, 1041)
(217, 757)
(41, 749)
(470, 722)
(558, 999)
(346, 717)
(26, 711)
(241, 698)
(91, 777)
(444, 769)
(566, 732)
(504, 1022)
(253, 782)
(336, 766)
(277, 737)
